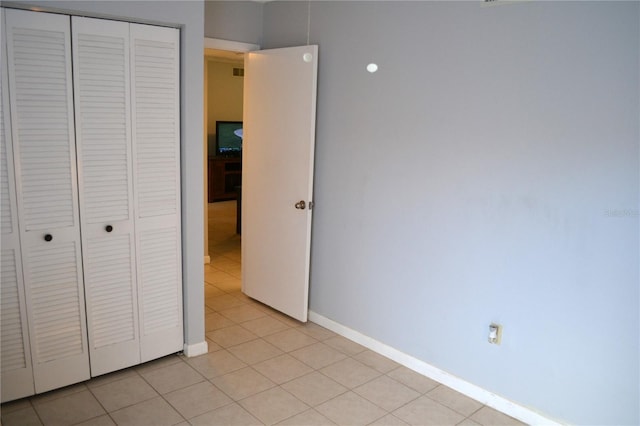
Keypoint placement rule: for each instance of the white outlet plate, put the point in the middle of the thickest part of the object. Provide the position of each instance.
(498, 333)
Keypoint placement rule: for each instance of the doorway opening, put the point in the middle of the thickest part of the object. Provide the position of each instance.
(223, 110)
(223, 99)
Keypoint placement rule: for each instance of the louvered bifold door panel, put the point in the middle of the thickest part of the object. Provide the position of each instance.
(103, 139)
(16, 372)
(41, 105)
(156, 143)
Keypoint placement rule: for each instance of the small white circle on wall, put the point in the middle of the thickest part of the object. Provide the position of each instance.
(372, 68)
(307, 57)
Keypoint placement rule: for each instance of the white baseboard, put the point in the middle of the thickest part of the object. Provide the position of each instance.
(207, 260)
(481, 395)
(196, 349)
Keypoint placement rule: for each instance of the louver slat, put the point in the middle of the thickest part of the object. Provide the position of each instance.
(6, 215)
(102, 98)
(55, 302)
(156, 127)
(159, 274)
(109, 275)
(40, 70)
(13, 356)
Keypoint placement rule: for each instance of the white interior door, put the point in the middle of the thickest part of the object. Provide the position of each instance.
(105, 183)
(155, 120)
(277, 179)
(41, 105)
(17, 372)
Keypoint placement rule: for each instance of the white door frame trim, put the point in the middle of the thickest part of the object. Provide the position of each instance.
(233, 46)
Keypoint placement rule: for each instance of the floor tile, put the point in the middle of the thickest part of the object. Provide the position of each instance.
(468, 422)
(197, 399)
(122, 393)
(283, 368)
(387, 393)
(242, 313)
(318, 355)
(344, 345)
(314, 388)
(218, 303)
(212, 346)
(242, 383)
(255, 351)
(69, 409)
(215, 277)
(104, 420)
(273, 405)
(215, 321)
(264, 326)
(172, 377)
(290, 340)
(376, 361)
(211, 290)
(307, 418)
(487, 416)
(25, 416)
(231, 336)
(18, 404)
(454, 400)
(232, 414)
(425, 411)
(350, 373)
(156, 412)
(232, 285)
(216, 363)
(389, 420)
(316, 331)
(111, 377)
(412, 379)
(58, 393)
(158, 363)
(350, 409)
(285, 318)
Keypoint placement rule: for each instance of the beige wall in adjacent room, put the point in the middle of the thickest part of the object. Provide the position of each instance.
(224, 94)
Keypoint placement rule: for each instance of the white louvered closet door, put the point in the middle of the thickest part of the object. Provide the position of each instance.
(103, 139)
(40, 95)
(156, 142)
(17, 373)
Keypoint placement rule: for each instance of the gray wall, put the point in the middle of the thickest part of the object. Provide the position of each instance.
(489, 171)
(189, 17)
(234, 20)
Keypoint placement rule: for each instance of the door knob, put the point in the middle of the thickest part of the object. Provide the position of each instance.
(108, 228)
(48, 237)
(301, 205)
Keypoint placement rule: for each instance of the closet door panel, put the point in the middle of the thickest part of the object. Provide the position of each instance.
(156, 143)
(16, 371)
(40, 88)
(103, 132)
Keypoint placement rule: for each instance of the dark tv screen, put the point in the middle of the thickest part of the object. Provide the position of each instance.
(229, 138)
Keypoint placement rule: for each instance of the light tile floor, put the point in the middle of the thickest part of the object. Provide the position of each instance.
(262, 368)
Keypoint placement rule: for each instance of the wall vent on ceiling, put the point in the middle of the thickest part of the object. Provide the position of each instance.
(238, 72)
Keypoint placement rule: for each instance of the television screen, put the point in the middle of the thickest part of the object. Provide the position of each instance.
(228, 138)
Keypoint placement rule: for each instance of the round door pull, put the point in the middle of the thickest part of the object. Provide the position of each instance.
(301, 205)
(48, 237)
(108, 228)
